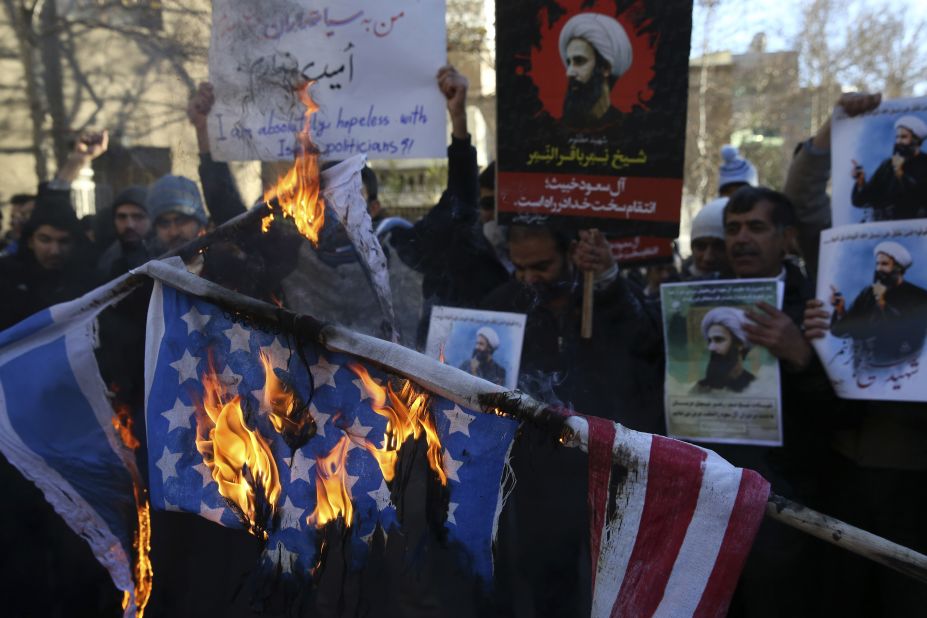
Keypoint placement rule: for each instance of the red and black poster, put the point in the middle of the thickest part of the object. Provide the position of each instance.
(592, 112)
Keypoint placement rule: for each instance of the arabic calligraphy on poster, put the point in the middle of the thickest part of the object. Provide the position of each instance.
(373, 68)
(872, 279)
(641, 250)
(601, 197)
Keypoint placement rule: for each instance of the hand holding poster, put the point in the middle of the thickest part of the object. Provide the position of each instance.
(486, 344)
(592, 112)
(719, 387)
(373, 65)
(879, 163)
(873, 282)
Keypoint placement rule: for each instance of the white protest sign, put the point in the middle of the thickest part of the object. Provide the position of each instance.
(373, 64)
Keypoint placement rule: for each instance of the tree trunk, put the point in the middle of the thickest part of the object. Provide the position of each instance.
(20, 18)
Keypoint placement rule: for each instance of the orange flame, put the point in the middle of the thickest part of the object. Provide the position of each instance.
(297, 191)
(122, 423)
(279, 401)
(143, 573)
(407, 415)
(333, 500)
(239, 458)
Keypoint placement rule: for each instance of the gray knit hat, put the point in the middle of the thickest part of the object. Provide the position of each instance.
(175, 194)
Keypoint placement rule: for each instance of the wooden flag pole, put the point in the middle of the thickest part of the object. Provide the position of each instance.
(478, 394)
(851, 538)
(588, 289)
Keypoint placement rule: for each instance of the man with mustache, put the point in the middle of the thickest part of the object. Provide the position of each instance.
(596, 51)
(482, 364)
(723, 330)
(888, 320)
(898, 188)
(760, 226)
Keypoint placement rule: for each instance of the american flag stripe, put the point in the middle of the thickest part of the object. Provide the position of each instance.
(619, 534)
(672, 493)
(682, 523)
(704, 538)
(600, 467)
(744, 522)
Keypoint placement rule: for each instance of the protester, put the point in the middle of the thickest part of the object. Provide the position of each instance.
(735, 172)
(51, 264)
(878, 472)
(709, 255)
(132, 223)
(760, 226)
(448, 246)
(21, 206)
(616, 374)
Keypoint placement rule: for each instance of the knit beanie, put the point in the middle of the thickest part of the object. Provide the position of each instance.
(735, 169)
(175, 194)
(135, 194)
(709, 221)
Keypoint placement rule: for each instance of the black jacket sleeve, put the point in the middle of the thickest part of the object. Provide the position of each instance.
(219, 190)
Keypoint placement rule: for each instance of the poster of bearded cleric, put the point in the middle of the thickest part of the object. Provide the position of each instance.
(486, 344)
(719, 386)
(879, 163)
(592, 112)
(872, 280)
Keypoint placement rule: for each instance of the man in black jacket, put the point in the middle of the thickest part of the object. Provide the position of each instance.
(543, 540)
(51, 264)
(458, 264)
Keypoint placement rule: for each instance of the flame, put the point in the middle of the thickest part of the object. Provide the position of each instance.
(240, 459)
(407, 415)
(143, 573)
(441, 354)
(297, 191)
(279, 401)
(122, 423)
(333, 500)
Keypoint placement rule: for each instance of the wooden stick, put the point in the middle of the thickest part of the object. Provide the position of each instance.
(478, 394)
(588, 288)
(851, 538)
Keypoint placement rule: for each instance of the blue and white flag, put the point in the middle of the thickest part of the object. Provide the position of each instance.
(186, 334)
(56, 428)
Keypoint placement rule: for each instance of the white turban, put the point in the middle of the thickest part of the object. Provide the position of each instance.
(913, 124)
(731, 319)
(491, 337)
(895, 251)
(709, 222)
(605, 34)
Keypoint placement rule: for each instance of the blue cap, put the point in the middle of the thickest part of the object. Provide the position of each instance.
(175, 194)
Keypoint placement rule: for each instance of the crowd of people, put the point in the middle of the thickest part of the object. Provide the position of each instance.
(863, 462)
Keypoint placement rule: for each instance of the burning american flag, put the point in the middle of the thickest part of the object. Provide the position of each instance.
(253, 429)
